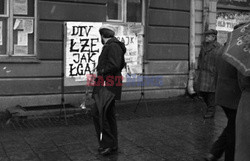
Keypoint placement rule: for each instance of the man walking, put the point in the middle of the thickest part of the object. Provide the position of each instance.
(227, 96)
(207, 71)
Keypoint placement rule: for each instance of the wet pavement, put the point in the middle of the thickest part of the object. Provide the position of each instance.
(172, 130)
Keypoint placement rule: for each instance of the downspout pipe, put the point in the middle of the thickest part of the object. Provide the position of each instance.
(190, 88)
(205, 15)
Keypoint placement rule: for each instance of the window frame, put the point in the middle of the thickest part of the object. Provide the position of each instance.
(7, 11)
(6, 16)
(124, 14)
(9, 15)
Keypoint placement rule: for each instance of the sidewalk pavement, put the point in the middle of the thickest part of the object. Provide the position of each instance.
(173, 130)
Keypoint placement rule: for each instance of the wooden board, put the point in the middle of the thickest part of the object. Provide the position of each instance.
(39, 100)
(174, 81)
(171, 4)
(36, 86)
(76, 99)
(50, 50)
(153, 94)
(198, 16)
(198, 39)
(198, 28)
(166, 67)
(169, 18)
(50, 30)
(165, 82)
(71, 11)
(168, 35)
(197, 51)
(198, 5)
(43, 69)
(167, 52)
(86, 1)
(26, 86)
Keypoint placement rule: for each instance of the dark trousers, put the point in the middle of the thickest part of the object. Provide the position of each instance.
(209, 98)
(226, 141)
(109, 133)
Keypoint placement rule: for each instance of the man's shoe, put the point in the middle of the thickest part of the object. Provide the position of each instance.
(106, 151)
(114, 149)
(209, 114)
(210, 157)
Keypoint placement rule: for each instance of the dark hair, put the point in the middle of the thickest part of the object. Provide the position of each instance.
(106, 33)
(238, 25)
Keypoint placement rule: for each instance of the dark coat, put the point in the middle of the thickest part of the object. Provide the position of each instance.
(207, 71)
(227, 89)
(242, 145)
(110, 63)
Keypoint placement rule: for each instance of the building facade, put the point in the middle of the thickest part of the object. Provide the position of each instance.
(32, 45)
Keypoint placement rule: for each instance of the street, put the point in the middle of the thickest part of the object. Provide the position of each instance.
(173, 130)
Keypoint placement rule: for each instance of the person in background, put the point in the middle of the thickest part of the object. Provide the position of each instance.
(227, 96)
(242, 147)
(110, 63)
(207, 71)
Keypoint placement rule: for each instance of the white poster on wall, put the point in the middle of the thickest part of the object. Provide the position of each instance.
(132, 36)
(226, 21)
(82, 47)
(20, 7)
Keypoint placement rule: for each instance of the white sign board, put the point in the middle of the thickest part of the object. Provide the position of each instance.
(82, 47)
(227, 20)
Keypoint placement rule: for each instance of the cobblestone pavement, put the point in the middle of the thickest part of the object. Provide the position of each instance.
(173, 130)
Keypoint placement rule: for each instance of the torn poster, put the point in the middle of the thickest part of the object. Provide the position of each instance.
(22, 38)
(20, 7)
(18, 24)
(28, 26)
(20, 50)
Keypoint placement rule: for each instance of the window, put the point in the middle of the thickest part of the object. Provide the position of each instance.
(125, 10)
(128, 17)
(18, 27)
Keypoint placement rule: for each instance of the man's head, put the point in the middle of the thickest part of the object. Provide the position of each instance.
(210, 35)
(106, 31)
